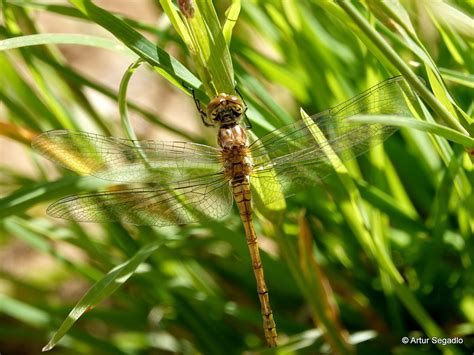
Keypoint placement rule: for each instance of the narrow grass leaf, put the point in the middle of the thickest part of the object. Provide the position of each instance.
(392, 11)
(211, 40)
(389, 53)
(23, 312)
(122, 101)
(76, 14)
(63, 38)
(102, 289)
(447, 13)
(439, 90)
(465, 79)
(80, 80)
(25, 197)
(451, 42)
(168, 66)
(22, 96)
(323, 305)
(178, 24)
(431, 127)
(390, 206)
(231, 16)
(17, 132)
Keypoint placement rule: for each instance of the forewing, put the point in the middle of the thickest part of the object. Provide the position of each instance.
(292, 156)
(124, 160)
(185, 202)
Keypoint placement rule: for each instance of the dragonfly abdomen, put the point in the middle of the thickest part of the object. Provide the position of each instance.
(243, 198)
(238, 166)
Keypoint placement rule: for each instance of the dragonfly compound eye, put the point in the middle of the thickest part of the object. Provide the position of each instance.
(225, 109)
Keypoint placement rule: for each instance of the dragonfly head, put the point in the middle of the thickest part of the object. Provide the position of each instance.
(225, 109)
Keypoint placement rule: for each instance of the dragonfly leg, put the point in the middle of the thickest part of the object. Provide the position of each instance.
(202, 113)
(248, 123)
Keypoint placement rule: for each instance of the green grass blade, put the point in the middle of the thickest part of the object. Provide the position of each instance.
(408, 122)
(465, 79)
(103, 289)
(122, 99)
(231, 17)
(82, 80)
(168, 66)
(76, 14)
(391, 229)
(23, 311)
(64, 38)
(321, 297)
(203, 35)
(412, 79)
(22, 199)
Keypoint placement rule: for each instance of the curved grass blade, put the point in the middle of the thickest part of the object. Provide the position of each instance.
(458, 77)
(167, 65)
(390, 54)
(321, 301)
(22, 199)
(409, 122)
(63, 38)
(232, 14)
(76, 14)
(203, 35)
(122, 98)
(102, 289)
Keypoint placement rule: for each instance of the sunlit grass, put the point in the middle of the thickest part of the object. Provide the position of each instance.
(380, 252)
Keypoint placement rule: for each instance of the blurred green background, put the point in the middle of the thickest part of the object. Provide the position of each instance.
(352, 266)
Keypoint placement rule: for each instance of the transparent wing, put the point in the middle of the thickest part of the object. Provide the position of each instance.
(124, 160)
(292, 156)
(190, 201)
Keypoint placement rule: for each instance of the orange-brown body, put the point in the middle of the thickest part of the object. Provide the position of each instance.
(237, 163)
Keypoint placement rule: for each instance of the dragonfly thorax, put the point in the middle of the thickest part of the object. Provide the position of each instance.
(225, 109)
(235, 152)
(231, 135)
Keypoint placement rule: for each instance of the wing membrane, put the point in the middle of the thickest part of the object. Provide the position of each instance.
(186, 202)
(124, 160)
(292, 156)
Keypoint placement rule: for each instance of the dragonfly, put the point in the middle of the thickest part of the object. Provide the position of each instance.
(183, 182)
